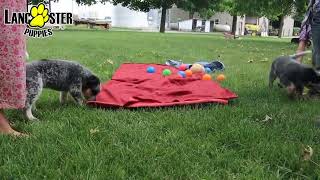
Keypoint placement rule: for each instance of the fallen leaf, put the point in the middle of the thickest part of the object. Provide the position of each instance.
(264, 60)
(267, 119)
(307, 153)
(110, 61)
(94, 131)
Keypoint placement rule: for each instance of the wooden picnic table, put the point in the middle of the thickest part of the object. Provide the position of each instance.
(92, 23)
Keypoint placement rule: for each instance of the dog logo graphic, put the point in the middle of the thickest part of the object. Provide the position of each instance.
(40, 15)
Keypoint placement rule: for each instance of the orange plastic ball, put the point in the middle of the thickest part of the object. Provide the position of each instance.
(188, 73)
(207, 77)
(221, 77)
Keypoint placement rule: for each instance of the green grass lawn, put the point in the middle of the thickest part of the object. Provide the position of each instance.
(198, 142)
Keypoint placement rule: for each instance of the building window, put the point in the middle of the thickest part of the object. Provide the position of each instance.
(216, 21)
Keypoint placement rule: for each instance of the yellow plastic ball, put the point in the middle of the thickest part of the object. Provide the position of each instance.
(197, 68)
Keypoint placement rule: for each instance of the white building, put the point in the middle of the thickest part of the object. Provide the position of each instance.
(120, 16)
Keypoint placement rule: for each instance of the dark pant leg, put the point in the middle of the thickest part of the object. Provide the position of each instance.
(316, 39)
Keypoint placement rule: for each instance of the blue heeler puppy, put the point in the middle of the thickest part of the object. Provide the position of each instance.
(60, 75)
(293, 75)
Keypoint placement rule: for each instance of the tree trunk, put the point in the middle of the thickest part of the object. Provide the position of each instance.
(191, 14)
(281, 27)
(163, 20)
(234, 24)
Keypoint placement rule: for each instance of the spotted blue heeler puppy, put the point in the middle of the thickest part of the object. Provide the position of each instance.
(60, 75)
(294, 76)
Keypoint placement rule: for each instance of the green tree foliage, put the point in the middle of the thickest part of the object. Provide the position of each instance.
(205, 8)
(206, 13)
(301, 8)
(35, 2)
(189, 6)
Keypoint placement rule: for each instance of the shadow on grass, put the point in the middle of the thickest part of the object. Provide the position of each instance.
(205, 106)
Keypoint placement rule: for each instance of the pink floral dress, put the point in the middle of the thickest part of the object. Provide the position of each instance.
(12, 58)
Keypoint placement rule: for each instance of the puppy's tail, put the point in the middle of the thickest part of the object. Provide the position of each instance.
(295, 56)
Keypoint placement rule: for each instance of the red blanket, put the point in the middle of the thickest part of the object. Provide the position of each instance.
(131, 86)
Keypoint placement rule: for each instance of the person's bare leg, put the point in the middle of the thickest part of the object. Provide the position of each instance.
(5, 127)
(301, 48)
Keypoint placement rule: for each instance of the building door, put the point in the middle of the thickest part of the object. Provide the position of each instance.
(194, 24)
(211, 26)
(203, 27)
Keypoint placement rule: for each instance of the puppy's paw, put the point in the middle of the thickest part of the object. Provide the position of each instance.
(33, 119)
(63, 97)
(30, 116)
(81, 103)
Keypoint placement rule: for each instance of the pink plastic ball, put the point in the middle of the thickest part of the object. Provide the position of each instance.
(183, 67)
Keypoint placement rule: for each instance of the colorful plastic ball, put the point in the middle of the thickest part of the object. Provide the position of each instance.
(208, 70)
(188, 73)
(207, 77)
(166, 72)
(221, 77)
(183, 67)
(151, 69)
(182, 74)
(197, 68)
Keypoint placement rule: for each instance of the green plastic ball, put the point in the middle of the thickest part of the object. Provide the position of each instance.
(166, 72)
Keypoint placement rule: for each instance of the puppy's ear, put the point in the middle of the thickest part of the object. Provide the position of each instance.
(311, 75)
(93, 83)
(93, 80)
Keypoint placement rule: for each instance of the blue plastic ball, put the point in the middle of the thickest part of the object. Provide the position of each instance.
(151, 69)
(208, 70)
(182, 74)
